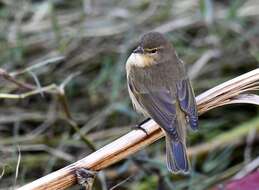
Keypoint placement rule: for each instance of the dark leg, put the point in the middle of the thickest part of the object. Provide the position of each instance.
(85, 178)
(139, 126)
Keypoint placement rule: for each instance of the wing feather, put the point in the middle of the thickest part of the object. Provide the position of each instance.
(187, 101)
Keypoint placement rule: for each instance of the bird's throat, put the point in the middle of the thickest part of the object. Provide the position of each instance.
(140, 60)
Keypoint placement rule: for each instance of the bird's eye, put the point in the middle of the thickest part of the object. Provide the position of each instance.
(153, 51)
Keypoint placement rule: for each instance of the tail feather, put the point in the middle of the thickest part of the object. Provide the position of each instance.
(177, 160)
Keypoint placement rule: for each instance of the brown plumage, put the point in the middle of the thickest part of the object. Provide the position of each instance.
(159, 88)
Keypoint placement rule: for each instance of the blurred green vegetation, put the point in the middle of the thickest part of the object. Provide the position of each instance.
(45, 42)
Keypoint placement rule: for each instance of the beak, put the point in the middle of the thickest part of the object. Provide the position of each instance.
(139, 50)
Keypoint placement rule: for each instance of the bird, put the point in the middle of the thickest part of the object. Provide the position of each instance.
(160, 89)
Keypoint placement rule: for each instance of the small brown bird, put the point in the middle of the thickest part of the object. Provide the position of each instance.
(159, 88)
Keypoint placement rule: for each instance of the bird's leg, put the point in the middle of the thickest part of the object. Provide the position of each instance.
(139, 126)
(85, 178)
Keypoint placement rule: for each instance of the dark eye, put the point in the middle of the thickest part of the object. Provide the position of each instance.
(153, 51)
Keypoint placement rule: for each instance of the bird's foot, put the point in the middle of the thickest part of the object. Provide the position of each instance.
(139, 126)
(85, 178)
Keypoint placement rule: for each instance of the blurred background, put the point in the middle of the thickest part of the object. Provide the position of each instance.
(63, 87)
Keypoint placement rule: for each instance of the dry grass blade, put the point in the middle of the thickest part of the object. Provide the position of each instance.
(136, 139)
(235, 136)
(244, 98)
(10, 78)
(17, 166)
(228, 91)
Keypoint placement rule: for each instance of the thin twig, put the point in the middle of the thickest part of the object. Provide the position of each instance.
(38, 65)
(122, 182)
(10, 78)
(63, 101)
(54, 89)
(17, 166)
(247, 169)
(2, 173)
(136, 139)
(202, 61)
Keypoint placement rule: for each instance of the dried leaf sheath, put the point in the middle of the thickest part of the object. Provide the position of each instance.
(229, 91)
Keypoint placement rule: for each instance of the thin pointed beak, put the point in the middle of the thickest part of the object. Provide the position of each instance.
(139, 49)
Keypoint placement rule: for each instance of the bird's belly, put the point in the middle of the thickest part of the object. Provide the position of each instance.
(137, 106)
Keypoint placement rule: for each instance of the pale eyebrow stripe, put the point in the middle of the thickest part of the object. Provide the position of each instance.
(150, 49)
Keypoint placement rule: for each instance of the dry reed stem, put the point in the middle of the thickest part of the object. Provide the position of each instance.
(225, 93)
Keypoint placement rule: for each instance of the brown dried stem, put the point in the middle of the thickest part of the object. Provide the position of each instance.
(52, 89)
(225, 93)
(10, 78)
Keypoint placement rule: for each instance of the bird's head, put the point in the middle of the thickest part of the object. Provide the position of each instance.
(151, 50)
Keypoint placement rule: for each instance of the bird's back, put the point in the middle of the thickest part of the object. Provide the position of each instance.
(164, 74)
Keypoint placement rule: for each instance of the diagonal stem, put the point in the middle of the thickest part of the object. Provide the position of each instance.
(136, 139)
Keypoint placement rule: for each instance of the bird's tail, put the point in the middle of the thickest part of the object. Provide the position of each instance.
(177, 160)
